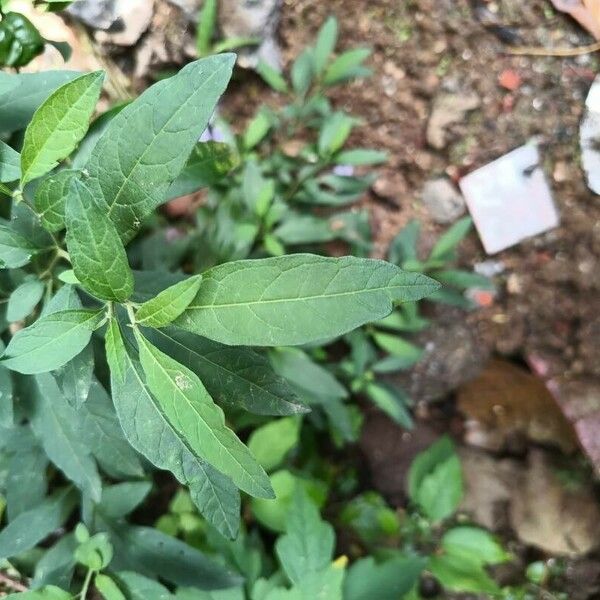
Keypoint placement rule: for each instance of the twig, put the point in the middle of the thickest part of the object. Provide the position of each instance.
(11, 584)
(534, 51)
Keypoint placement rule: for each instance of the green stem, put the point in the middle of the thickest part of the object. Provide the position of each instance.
(86, 584)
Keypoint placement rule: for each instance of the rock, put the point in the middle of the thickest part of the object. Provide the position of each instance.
(97, 14)
(454, 354)
(133, 19)
(191, 8)
(447, 110)
(443, 201)
(254, 19)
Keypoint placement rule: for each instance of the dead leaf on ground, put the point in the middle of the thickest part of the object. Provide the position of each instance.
(585, 12)
(507, 404)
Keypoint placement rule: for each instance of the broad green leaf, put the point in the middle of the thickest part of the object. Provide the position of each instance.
(347, 66)
(391, 401)
(147, 144)
(207, 22)
(15, 250)
(257, 129)
(474, 544)
(237, 376)
(325, 44)
(448, 242)
(154, 554)
(97, 253)
(51, 196)
(270, 443)
(57, 565)
(50, 592)
(426, 461)
(22, 94)
(24, 299)
(58, 125)
(272, 77)
(6, 396)
(335, 132)
(123, 498)
(408, 353)
(138, 587)
(108, 588)
(302, 72)
(32, 526)
(370, 517)
(150, 433)
(404, 246)
(59, 428)
(169, 304)
(389, 580)
(207, 165)
(308, 544)
(257, 191)
(460, 575)
(51, 341)
(190, 409)
(10, 163)
(104, 436)
(360, 157)
(297, 299)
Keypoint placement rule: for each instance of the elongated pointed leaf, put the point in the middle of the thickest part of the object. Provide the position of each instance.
(169, 304)
(24, 299)
(51, 341)
(58, 125)
(297, 299)
(50, 199)
(234, 375)
(190, 409)
(148, 143)
(10, 163)
(59, 428)
(32, 526)
(150, 433)
(97, 253)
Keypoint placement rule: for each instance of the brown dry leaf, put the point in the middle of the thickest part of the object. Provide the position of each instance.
(585, 12)
(506, 403)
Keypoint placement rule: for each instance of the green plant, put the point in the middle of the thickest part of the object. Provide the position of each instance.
(78, 322)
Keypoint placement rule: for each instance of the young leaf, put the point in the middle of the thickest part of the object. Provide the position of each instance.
(302, 72)
(24, 299)
(23, 93)
(147, 144)
(448, 242)
(200, 421)
(308, 544)
(474, 544)
(97, 253)
(169, 304)
(207, 22)
(272, 77)
(391, 401)
(335, 132)
(108, 588)
(296, 299)
(325, 45)
(270, 443)
(10, 163)
(50, 198)
(123, 498)
(58, 426)
(404, 246)
(347, 66)
(361, 156)
(51, 341)
(32, 526)
(58, 125)
(237, 376)
(257, 129)
(150, 433)
(459, 575)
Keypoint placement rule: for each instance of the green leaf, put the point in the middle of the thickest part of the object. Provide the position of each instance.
(58, 125)
(207, 165)
(325, 45)
(272, 77)
(47, 593)
(302, 72)
(190, 409)
(147, 429)
(308, 544)
(237, 376)
(270, 443)
(169, 304)
(426, 461)
(474, 544)
(448, 242)
(347, 66)
(391, 401)
(408, 353)
(24, 299)
(22, 94)
(459, 575)
(123, 498)
(297, 299)
(335, 132)
(51, 341)
(57, 565)
(97, 253)
(108, 588)
(32, 526)
(207, 22)
(50, 198)
(10, 163)
(257, 129)
(361, 157)
(15, 250)
(404, 246)
(59, 428)
(389, 580)
(463, 279)
(147, 144)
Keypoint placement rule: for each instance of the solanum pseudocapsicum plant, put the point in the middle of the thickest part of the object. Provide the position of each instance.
(172, 342)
